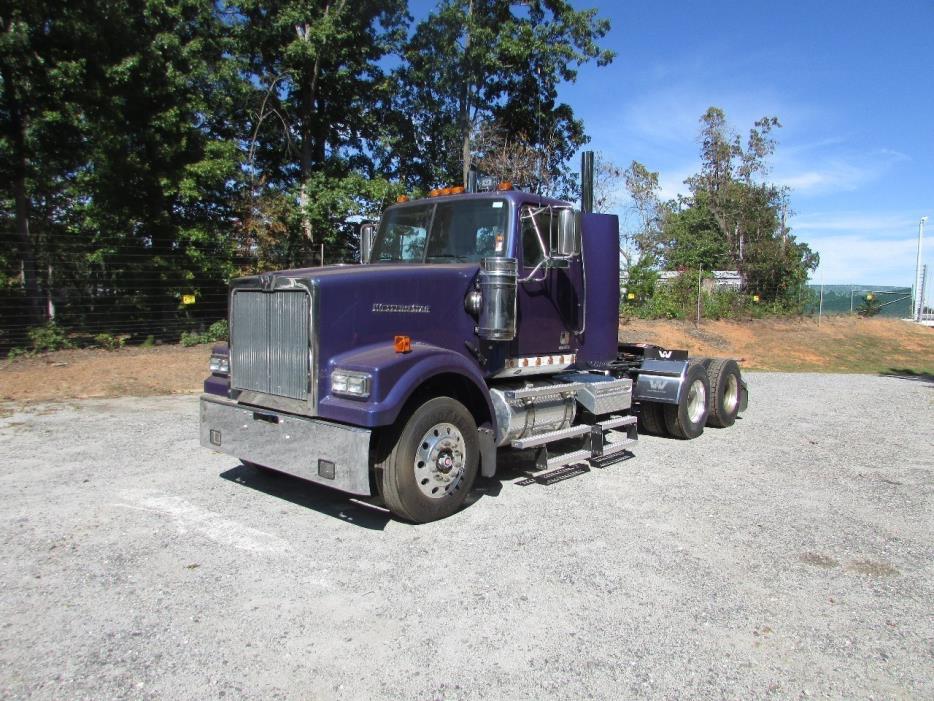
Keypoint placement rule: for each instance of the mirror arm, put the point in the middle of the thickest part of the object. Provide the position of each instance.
(531, 276)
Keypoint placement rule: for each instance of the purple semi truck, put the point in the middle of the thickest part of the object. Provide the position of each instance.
(477, 322)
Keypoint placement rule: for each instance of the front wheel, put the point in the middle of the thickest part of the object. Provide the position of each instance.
(686, 419)
(431, 463)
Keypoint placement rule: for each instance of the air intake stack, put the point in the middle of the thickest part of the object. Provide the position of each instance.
(587, 182)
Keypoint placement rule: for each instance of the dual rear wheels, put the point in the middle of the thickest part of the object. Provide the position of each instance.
(710, 396)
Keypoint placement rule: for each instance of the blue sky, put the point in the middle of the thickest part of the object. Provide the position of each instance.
(851, 83)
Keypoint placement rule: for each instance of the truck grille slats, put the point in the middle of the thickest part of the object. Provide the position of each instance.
(269, 342)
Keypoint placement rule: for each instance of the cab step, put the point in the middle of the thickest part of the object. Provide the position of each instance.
(551, 436)
(600, 444)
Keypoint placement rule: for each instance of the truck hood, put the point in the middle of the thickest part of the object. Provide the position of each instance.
(360, 305)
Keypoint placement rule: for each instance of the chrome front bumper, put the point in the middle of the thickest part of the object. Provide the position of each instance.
(320, 451)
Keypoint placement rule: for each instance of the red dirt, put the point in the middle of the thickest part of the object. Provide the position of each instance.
(838, 345)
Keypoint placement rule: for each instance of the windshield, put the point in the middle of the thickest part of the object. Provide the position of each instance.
(460, 231)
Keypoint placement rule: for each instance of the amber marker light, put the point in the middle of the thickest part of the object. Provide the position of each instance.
(505, 185)
(402, 198)
(459, 190)
(403, 344)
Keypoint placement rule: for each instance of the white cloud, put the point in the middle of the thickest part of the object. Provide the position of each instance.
(860, 259)
(863, 259)
(878, 222)
(819, 174)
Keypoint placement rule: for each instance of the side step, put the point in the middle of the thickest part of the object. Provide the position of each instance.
(551, 436)
(595, 447)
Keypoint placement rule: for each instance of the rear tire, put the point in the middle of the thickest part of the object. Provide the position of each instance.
(651, 419)
(686, 419)
(430, 465)
(725, 388)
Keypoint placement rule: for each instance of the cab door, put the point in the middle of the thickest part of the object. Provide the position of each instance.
(549, 302)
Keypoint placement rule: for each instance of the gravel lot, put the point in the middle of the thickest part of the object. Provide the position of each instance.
(789, 556)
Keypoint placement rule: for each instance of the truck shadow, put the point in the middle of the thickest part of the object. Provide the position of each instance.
(908, 374)
(330, 502)
(309, 495)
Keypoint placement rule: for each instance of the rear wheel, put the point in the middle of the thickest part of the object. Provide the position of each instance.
(686, 419)
(723, 403)
(431, 463)
(652, 419)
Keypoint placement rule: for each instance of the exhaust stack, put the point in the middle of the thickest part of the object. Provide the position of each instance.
(587, 181)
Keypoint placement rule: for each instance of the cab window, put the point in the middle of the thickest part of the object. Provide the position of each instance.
(538, 226)
(467, 230)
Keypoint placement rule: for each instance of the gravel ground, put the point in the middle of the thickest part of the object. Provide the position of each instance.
(789, 556)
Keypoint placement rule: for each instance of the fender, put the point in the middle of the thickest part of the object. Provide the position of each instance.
(660, 381)
(395, 377)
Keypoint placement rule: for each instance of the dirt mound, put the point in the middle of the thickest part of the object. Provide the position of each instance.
(837, 345)
(79, 374)
(840, 344)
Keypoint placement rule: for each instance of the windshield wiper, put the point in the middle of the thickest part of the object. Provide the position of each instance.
(451, 256)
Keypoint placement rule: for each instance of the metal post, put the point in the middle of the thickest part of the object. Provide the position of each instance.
(699, 281)
(820, 308)
(851, 300)
(916, 309)
(924, 280)
(322, 255)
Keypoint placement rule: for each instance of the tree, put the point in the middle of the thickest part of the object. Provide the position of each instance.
(320, 89)
(475, 61)
(40, 127)
(118, 118)
(735, 217)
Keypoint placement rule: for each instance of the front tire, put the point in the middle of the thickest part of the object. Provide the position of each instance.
(431, 463)
(686, 419)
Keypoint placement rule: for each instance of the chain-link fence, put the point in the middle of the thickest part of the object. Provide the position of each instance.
(862, 300)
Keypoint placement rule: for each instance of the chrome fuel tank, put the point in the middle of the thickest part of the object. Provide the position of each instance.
(528, 409)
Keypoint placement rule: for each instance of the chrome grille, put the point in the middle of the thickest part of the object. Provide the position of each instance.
(269, 350)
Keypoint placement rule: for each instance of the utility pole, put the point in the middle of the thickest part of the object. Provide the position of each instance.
(916, 309)
(820, 308)
(924, 279)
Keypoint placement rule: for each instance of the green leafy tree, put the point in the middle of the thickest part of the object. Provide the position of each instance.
(320, 92)
(735, 218)
(119, 116)
(492, 61)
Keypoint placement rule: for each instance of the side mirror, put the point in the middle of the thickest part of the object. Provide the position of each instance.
(569, 233)
(367, 237)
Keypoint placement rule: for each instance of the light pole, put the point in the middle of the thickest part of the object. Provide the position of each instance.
(916, 309)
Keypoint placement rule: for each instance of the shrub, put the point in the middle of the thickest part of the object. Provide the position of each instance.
(192, 338)
(49, 337)
(109, 341)
(218, 331)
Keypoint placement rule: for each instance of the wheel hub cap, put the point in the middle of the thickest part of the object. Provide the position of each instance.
(697, 401)
(440, 461)
(731, 395)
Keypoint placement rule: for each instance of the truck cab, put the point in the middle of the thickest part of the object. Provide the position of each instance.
(475, 322)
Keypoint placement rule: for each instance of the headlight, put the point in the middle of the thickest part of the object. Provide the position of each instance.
(351, 383)
(220, 365)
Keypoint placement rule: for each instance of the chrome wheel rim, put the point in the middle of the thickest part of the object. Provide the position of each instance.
(731, 394)
(697, 401)
(440, 461)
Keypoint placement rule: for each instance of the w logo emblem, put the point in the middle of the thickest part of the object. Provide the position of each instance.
(664, 354)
